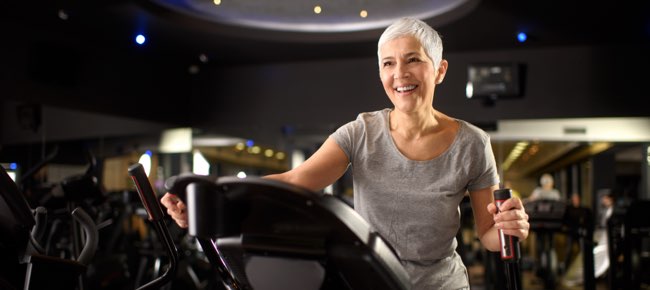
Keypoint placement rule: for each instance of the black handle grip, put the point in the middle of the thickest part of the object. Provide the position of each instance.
(147, 195)
(177, 185)
(155, 212)
(510, 251)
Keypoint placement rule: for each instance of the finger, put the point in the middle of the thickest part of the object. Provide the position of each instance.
(492, 208)
(514, 224)
(181, 221)
(168, 200)
(511, 203)
(516, 228)
(177, 211)
(511, 215)
(172, 213)
(521, 234)
(174, 198)
(179, 218)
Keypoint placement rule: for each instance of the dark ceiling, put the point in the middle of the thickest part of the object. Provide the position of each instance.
(489, 25)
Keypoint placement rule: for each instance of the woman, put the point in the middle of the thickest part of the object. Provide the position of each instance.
(412, 165)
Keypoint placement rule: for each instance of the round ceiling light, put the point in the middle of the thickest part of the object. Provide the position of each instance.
(336, 16)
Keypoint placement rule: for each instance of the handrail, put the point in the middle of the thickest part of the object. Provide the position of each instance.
(148, 198)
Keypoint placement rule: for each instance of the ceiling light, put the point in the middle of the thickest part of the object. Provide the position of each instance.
(217, 141)
(140, 39)
(255, 150)
(341, 16)
(203, 58)
(514, 154)
(63, 15)
(178, 140)
(521, 37)
(363, 13)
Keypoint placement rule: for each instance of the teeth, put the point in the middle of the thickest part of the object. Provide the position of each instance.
(406, 88)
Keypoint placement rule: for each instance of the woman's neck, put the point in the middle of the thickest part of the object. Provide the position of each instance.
(416, 125)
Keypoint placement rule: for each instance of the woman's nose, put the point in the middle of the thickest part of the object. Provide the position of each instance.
(400, 72)
(401, 75)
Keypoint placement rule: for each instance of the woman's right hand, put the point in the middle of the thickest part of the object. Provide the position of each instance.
(175, 208)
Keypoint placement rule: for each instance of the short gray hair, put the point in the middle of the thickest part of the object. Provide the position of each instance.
(425, 34)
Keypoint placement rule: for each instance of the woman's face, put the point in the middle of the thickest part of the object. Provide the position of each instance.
(408, 74)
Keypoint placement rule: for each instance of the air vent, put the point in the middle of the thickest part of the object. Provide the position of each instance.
(575, 130)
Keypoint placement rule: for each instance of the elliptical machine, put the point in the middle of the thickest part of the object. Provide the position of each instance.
(264, 234)
(24, 264)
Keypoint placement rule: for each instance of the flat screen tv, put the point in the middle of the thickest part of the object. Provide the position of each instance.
(493, 81)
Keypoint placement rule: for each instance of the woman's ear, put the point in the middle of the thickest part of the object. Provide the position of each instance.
(442, 71)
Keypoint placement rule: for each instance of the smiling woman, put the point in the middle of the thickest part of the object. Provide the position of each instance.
(335, 16)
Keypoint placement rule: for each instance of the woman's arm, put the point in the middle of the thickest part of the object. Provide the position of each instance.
(323, 168)
(512, 218)
(320, 170)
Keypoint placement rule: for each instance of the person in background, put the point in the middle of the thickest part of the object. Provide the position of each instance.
(412, 165)
(546, 190)
(572, 220)
(607, 203)
(575, 200)
(573, 276)
(544, 247)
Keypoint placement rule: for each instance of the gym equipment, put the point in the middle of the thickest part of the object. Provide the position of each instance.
(637, 245)
(24, 264)
(264, 234)
(548, 217)
(150, 202)
(628, 233)
(510, 249)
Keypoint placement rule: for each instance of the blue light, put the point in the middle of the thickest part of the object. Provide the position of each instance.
(250, 143)
(148, 152)
(140, 39)
(13, 166)
(521, 36)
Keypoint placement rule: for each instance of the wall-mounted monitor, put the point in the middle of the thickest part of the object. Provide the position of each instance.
(493, 81)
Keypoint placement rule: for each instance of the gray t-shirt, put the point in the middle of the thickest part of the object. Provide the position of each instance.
(414, 204)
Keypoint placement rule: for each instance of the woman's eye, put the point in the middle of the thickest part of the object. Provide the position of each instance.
(414, 59)
(388, 63)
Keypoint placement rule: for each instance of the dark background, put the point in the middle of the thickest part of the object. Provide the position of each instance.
(582, 59)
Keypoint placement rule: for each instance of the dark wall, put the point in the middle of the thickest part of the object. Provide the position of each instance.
(258, 101)
(262, 101)
(123, 81)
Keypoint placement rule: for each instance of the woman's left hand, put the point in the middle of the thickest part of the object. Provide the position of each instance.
(512, 218)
